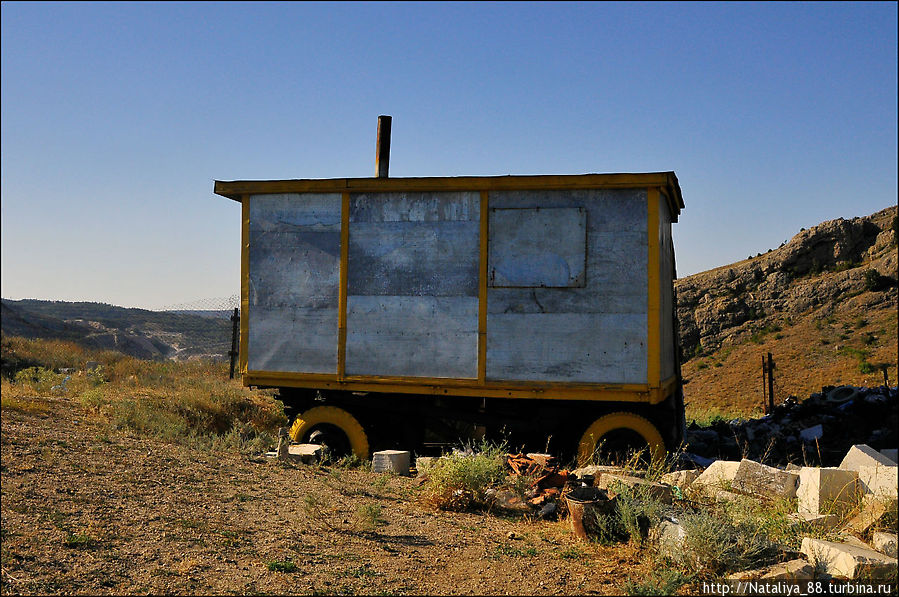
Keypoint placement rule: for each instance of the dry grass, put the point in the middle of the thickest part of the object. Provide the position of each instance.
(191, 402)
(845, 346)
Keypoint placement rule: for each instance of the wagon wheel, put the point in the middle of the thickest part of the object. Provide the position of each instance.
(332, 427)
(616, 436)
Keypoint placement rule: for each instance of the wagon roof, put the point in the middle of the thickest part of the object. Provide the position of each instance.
(667, 181)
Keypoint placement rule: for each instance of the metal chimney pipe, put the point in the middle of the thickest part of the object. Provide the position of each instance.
(382, 157)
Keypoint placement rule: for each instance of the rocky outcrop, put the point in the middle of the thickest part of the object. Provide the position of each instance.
(817, 268)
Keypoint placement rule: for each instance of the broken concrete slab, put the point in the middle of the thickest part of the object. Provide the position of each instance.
(423, 463)
(305, 453)
(391, 461)
(681, 479)
(596, 470)
(818, 521)
(720, 474)
(792, 570)
(722, 495)
(879, 481)
(861, 455)
(669, 535)
(827, 490)
(764, 481)
(810, 434)
(607, 481)
(848, 561)
(874, 511)
(885, 543)
(891, 453)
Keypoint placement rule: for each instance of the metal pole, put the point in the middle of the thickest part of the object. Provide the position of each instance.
(235, 318)
(382, 155)
(770, 383)
(764, 385)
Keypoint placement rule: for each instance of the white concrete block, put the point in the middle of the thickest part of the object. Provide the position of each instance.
(827, 490)
(395, 461)
(669, 536)
(874, 511)
(720, 474)
(818, 521)
(764, 481)
(607, 481)
(885, 543)
(792, 570)
(848, 561)
(423, 463)
(861, 455)
(879, 481)
(305, 453)
(682, 479)
(891, 453)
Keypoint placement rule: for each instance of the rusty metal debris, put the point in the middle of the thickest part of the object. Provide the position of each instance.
(549, 481)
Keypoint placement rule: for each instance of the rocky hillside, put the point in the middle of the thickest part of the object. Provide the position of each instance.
(824, 304)
(136, 332)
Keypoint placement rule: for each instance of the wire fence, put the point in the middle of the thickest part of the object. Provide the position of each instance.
(221, 303)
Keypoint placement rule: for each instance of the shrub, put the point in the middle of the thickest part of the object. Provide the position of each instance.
(876, 282)
(282, 566)
(459, 481)
(368, 517)
(39, 379)
(636, 511)
(662, 581)
(714, 544)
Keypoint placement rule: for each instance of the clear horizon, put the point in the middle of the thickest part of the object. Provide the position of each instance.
(118, 117)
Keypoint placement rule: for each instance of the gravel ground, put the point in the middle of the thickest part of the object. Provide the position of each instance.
(90, 510)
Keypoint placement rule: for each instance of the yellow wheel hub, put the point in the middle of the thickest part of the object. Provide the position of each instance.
(620, 420)
(331, 415)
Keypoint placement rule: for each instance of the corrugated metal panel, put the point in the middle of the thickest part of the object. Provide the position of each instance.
(294, 280)
(537, 248)
(413, 285)
(592, 334)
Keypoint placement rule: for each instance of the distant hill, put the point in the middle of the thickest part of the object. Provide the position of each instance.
(824, 304)
(137, 332)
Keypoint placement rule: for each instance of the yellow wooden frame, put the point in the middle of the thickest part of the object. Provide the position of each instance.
(653, 323)
(342, 291)
(237, 189)
(244, 283)
(653, 392)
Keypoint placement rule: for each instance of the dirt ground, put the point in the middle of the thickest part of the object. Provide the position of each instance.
(90, 510)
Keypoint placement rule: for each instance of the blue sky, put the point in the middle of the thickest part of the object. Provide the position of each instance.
(117, 118)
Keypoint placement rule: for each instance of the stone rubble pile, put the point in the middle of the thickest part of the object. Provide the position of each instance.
(856, 500)
(816, 431)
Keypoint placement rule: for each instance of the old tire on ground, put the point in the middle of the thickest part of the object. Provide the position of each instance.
(616, 427)
(322, 420)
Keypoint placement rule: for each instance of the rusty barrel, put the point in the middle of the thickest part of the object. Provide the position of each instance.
(584, 505)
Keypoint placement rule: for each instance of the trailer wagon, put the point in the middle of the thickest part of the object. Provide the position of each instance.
(388, 310)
